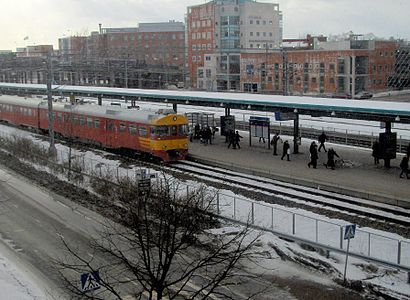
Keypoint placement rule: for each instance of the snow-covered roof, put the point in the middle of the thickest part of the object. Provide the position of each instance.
(372, 110)
(118, 113)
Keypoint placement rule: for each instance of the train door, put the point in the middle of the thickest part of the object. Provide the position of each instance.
(112, 133)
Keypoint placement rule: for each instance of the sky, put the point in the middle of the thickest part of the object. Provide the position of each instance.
(34, 22)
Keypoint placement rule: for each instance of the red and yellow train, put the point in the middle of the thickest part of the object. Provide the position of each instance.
(161, 135)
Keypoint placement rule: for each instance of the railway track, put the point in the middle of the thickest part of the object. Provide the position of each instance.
(361, 207)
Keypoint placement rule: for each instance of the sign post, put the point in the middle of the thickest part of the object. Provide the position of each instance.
(350, 231)
(90, 282)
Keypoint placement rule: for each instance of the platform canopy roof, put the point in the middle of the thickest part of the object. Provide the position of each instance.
(391, 111)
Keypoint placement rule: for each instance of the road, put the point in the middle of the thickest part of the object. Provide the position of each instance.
(32, 221)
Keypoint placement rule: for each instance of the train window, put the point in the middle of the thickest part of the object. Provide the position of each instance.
(97, 123)
(132, 129)
(82, 121)
(123, 127)
(111, 126)
(174, 130)
(142, 130)
(160, 131)
(90, 122)
(183, 129)
(75, 120)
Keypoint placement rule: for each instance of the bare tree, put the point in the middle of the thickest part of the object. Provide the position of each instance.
(159, 246)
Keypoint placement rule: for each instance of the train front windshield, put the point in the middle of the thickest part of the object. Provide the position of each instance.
(173, 130)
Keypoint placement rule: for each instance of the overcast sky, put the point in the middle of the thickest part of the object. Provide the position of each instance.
(44, 21)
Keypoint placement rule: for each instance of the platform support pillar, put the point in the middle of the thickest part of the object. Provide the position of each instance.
(175, 107)
(100, 100)
(387, 160)
(296, 133)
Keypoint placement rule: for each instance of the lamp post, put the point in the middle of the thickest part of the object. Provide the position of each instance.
(52, 150)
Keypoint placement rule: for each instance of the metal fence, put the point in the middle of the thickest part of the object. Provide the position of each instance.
(322, 233)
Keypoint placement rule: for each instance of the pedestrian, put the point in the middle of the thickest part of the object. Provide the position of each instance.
(376, 152)
(191, 134)
(314, 156)
(196, 131)
(261, 138)
(231, 139)
(404, 165)
(322, 139)
(274, 143)
(286, 150)
(237, 139)
(209, 134)
(408, 150)
(331, 159)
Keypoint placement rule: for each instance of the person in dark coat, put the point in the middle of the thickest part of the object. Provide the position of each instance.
(322, 139)
(331, 159)
(376, 152)
(404, 165)
(286, 150)
(314, 156)
(231, 139)
(408, 150)
(208, 135)
(197, 130)
(237, 139)
(274, 143)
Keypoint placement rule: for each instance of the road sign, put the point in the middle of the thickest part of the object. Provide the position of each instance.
(350, 231)
(90, 281)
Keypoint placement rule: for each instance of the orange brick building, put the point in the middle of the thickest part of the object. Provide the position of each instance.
(347, 67)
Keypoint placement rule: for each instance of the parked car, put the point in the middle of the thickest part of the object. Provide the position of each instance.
(363, 95)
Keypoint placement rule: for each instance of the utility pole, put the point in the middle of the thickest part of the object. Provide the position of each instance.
(52, 150)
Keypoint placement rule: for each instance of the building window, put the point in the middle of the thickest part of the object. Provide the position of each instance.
(193, 24)
(198, 58)
(332, 81)
(257, 34)
(271, 46)
(207, 58)
(251, 22)
(264, 34)
(209, 47)
(204, 35)
(198, 24)
(200, 73)
(194, 36)
(251, 45)
(257, 22)
(198, 35)
(194, 58)
(251, 33)
(313, 79)
(270, 22)
(208, 35)
(236, 8)
(203, 46)
(208, 23)
(194, 47)
(208, 73)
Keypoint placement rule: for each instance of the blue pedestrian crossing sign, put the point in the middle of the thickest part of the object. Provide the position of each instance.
(90, 281)
(350, 231)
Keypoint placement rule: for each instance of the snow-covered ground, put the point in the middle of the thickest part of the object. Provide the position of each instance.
(17, 283)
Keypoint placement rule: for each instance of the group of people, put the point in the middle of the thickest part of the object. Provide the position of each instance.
(204, 134)
(286, 147)
(314, 153)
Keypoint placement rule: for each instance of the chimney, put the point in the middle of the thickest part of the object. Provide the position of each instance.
(100, 28)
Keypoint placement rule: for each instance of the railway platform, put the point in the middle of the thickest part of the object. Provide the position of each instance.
(358, 176)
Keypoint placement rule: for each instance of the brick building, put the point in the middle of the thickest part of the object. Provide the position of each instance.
(219, 31)
(35, 51)
(345, 67)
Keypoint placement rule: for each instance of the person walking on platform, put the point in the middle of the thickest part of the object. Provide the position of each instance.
(231, 139)
(404, 165)
(322, 139)
(274, 143)
(262, 139)
(331, 159)
(408, 150)
(286, 150)
(314, 156)
(208, 135)
(376, 152)
(237, 140)
(196, 131)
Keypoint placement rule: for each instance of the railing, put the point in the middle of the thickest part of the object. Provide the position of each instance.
(329, 235)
